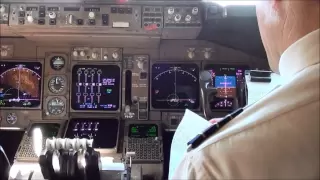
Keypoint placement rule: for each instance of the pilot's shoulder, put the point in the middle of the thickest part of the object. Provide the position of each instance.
(246, 144)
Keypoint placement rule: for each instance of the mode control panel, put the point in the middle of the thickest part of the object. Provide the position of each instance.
(117, 16)
(96, 54)
(177, 16)
(4, 13)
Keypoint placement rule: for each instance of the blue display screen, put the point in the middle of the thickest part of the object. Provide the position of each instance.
(225, 81)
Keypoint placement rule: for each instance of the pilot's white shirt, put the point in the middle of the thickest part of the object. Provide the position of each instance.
(275, 138)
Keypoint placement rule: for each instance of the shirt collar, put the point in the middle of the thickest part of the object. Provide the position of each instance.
(300, 55)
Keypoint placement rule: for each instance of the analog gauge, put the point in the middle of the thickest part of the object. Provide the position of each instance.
(55, 106)
(12, 118)
(57, 63)
(57, 84)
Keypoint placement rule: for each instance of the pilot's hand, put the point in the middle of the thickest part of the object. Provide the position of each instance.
(215, 120)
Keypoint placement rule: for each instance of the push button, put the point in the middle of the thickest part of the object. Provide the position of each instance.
(143, 105)
(143, 75)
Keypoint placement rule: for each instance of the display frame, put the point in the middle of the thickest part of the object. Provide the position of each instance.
(71, 110)
(210, 65)
(150, 86)
(101, 150)
(41, 61)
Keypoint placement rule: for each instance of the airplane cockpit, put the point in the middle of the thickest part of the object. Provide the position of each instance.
(95, 89)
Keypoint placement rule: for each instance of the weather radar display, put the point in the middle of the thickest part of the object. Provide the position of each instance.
(20, 84)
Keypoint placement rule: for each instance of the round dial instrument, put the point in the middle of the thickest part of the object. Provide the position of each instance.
(57, 63)
(57, 84)
(55, 106)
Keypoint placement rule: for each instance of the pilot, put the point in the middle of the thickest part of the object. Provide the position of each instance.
(278, 136)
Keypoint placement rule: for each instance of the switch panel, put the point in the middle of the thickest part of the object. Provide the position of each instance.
(76, 15)
(152, 16)
(177, 16)
(96, 54)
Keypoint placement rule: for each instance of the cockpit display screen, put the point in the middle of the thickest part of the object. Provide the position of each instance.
(104, 132)
(20, 84)
(175, 86)
(143, 130)
(225, 79)
(95, 87)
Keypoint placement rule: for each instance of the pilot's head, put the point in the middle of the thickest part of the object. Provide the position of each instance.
(283, 22)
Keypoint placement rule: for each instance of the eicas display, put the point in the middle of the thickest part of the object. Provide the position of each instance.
(104, 132)
(95, 87)
(175, 86)
(20, 84)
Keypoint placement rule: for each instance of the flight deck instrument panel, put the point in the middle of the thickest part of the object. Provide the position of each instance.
(20, 84)
(95, 87)
(175, 86)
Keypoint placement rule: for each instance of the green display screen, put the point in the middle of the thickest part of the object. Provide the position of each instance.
(143, 130)
(47, 129)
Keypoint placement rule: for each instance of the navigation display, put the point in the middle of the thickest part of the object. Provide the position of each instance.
(95, 87)
(20, 84)
(143, 130)
(175, 86)
(104, 132)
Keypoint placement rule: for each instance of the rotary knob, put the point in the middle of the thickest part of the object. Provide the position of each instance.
(170, 10)
(115, 55)
(140, 64)
(105, 57)
(94, 55)
(195, 11)
(177, 18)
(2, 9)
(187, 18)
(4, 52)
(207, 54)
(75, 53)
(92, 15)
(191, 53)
(30, 19)
(82, 53)
(52, 15)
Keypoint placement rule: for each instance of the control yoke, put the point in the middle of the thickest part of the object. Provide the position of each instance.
(208, 93)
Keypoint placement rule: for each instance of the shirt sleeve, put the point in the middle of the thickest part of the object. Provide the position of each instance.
(185, 170)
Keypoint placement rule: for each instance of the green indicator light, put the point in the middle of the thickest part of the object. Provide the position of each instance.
(153, 129)
(134, 129)
(108, 91)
